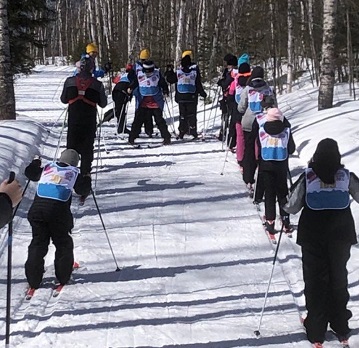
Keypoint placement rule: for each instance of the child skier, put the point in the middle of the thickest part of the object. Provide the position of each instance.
(326, 232)
(121, 98)
(50, 216)
(275, 145)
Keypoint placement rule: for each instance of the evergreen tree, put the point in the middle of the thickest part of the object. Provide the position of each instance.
(25, 17)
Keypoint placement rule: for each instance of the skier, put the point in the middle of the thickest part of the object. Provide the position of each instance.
(143, 56)
(326, 232)
(188, 85)
(250, 108)
(50, 216)
(149, 87)
(224, 82)
(240, 81)
(121, 98)
(83, 93)
(10, 196)
(231, 103)
(275, 145)
(91, 51)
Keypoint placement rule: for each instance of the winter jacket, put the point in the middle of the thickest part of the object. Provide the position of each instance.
(172, 77)
(157, 97)
(82, 109)
(274, 128)
(53, 209)
(329, 224)
(5, 208)
(225, 81)
(260, 86)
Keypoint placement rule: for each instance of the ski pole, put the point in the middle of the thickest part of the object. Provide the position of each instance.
(225, 159)
(257, 332)
(104, 228)
(204, 121)
(99, 158)
(23, 193)
(172, 119)
(216, 95)
(225, 132)
(119, 121)
(53, 125)
(8, 282)
(290, 178)
(215, 116)
(60, 137)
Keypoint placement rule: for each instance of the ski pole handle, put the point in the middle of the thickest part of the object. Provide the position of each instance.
(11, 177)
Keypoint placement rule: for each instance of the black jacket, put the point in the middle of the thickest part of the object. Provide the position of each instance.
(273, 128)
(329, 224)
(81, 112)
(171, 77)
(5, 209)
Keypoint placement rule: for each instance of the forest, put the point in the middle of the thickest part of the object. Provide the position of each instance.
(286, 37)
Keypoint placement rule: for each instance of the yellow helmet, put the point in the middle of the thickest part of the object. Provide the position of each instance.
(91, 47)
(187, 53)
(145, 54)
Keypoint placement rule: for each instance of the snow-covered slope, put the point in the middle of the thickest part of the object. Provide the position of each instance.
(195, 260)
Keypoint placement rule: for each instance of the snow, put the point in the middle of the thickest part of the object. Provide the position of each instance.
(194, 257)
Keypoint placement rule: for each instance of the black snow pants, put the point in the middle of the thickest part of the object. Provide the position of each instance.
(52, 222)
(188, 118)
(326, 287)
(81, 138)
(140, 118)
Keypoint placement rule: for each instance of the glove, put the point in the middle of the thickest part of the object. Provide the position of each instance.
(83, 185)
(108, 67)
(99, 73)
(33, 170)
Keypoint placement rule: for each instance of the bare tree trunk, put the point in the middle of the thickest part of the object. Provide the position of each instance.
(130, 28)
(92, 21)
(180, 30)
(290, 64)
(211, 67)
(350, 57)
(136, 39)
(315, 58)
(7, 94)
(327, 75)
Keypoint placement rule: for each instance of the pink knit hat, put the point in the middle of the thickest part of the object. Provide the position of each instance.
(274, 114)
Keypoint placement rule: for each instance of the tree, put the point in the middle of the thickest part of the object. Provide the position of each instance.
(327, 76)
(7, 95)
(24, 32)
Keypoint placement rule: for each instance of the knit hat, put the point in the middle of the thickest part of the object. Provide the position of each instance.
(227, 57)
(145, 54)
(186, 61)
(244, 68)
(187, 53)
(148, 66)
(326, 160)
(232, 61)
(129, 67)
(257, 71)
(91, 47)
(87, 63)
(70, 156)
(244, 58)
(274, 114)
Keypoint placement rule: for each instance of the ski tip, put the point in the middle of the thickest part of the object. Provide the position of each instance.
(76, 265)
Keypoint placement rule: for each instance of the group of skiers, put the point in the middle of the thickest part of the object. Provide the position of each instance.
(256, 127)
(252, 124)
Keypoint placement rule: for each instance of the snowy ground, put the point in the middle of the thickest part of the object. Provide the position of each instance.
(195, 259)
